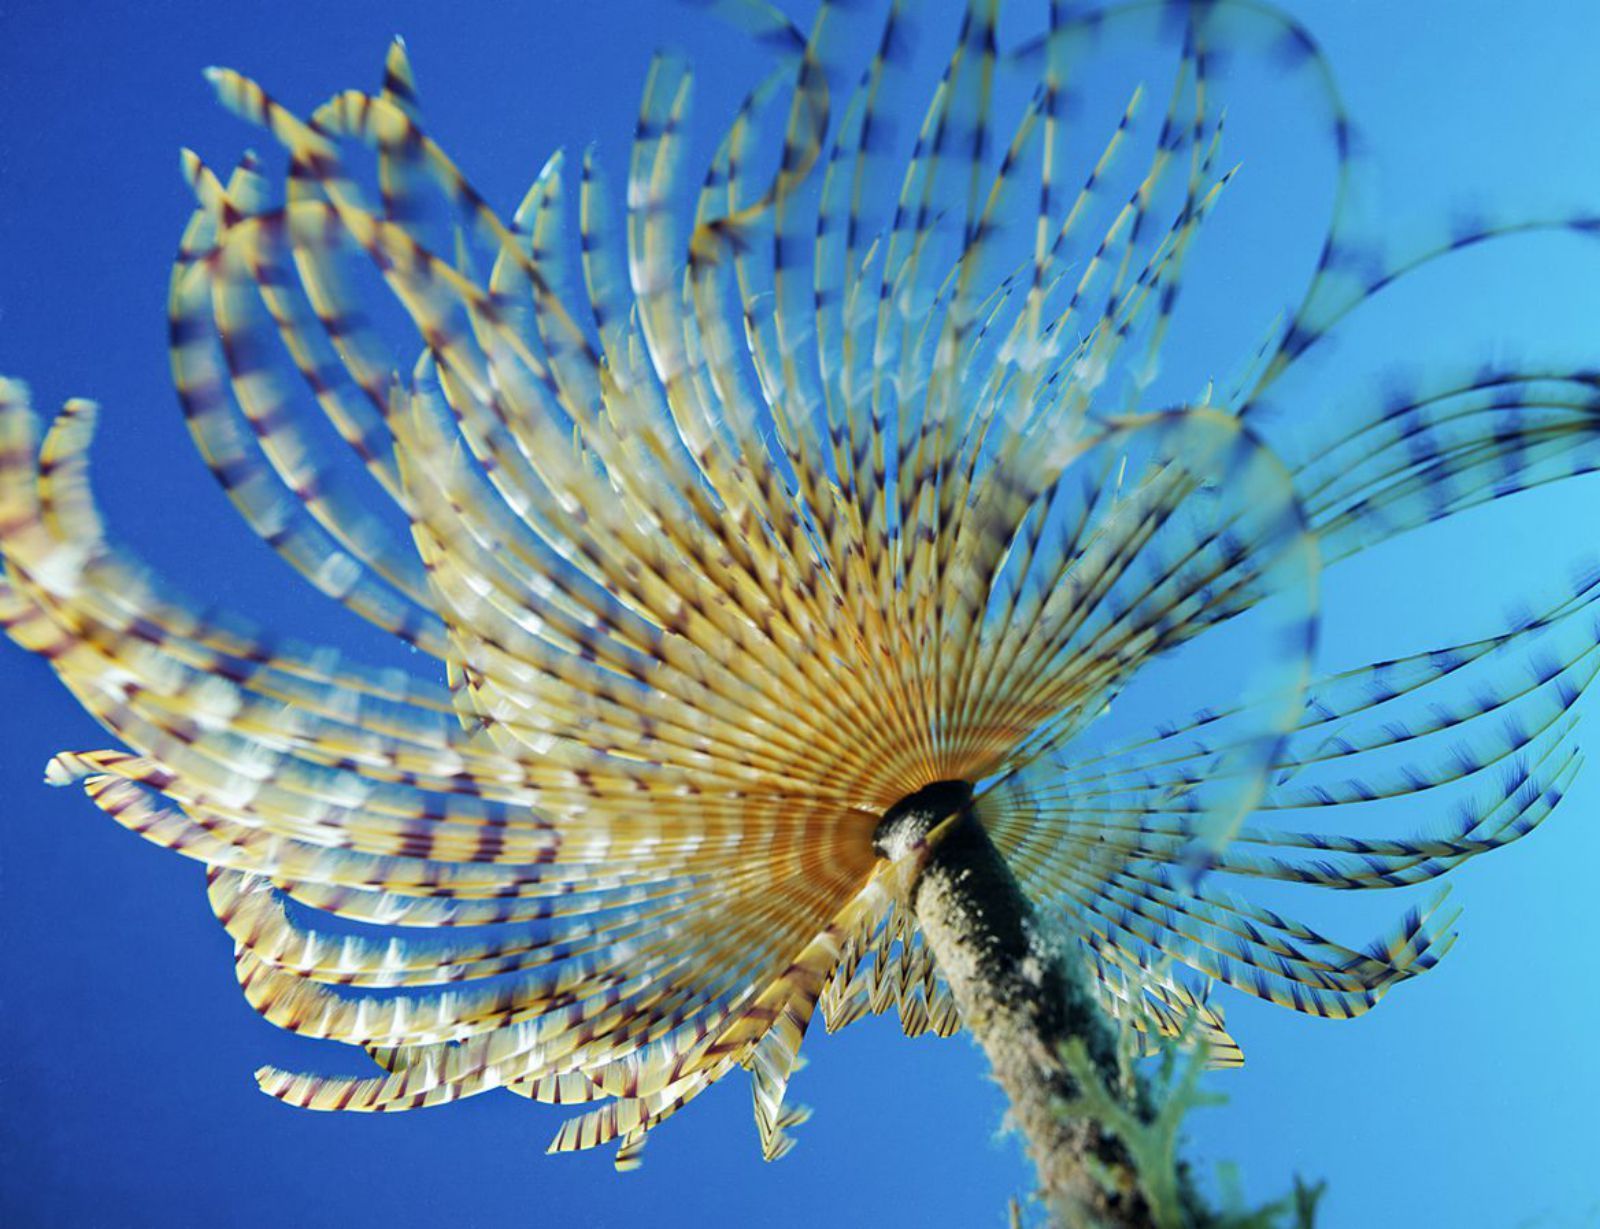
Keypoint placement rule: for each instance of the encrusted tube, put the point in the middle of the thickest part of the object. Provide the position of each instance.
(1023, 1000)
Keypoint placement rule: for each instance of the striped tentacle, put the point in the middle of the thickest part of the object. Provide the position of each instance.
(1125, 821)
(215, 358)
(1155, 1006)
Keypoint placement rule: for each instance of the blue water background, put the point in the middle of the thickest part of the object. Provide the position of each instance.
(1467, 1099)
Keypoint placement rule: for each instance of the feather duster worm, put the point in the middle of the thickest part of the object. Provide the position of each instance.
(730, 538)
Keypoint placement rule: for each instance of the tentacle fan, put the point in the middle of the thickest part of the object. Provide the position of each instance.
(730, 517)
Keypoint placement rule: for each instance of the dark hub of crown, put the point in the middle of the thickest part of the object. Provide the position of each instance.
(915, 814)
